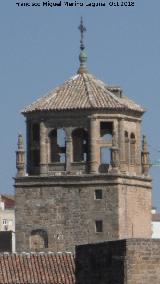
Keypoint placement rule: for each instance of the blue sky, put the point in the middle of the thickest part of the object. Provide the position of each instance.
(39, 50)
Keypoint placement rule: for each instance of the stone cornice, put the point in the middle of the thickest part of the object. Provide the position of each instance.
(81, 180)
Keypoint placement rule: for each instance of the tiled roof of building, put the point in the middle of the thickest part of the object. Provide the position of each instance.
(83, 91)
(9, 201)
(37, 268)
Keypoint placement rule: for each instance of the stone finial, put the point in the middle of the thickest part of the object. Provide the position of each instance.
(145, 157)
(82, 56)
(82, 29)
(20, 142)
(20, 157)
(144, 143)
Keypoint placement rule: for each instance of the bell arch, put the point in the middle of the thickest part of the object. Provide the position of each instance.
(57, 139)
(80, 145)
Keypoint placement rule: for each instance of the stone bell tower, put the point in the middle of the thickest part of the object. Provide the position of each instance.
(87, 176)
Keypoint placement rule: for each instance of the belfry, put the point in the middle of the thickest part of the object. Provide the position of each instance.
(86, 178)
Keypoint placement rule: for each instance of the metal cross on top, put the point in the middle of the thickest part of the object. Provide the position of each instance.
(82, 29)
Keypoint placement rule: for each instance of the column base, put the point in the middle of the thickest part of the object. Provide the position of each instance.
(43, 170)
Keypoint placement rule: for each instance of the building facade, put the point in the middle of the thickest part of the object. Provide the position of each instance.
(7, 213)
(87, 173)
(155, 224)
(7, 223)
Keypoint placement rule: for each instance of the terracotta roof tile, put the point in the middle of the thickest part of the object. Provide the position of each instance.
(27, 268)
(156, 217)
(82, 91)
(9, 201)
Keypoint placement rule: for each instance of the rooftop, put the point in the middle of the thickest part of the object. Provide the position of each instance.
(83, 91)
(37, 268)
(9, 201)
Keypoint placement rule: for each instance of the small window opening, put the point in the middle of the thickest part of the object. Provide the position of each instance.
(36, 132)
(98, 194)
(99, 226)
(106, 130)
(38, 239)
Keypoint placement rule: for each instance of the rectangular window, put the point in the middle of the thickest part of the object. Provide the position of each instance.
(98, 194)
(4, 221)
(106, 129)
(99, 226)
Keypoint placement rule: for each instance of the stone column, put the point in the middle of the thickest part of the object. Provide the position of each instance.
(68, 149)
(121, 145)
(94, 150)
(43, 150)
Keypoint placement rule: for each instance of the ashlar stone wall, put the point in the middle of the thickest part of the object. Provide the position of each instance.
(63, 211)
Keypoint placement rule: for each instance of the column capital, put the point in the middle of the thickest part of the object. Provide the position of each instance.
(93, 117)
(68, 131)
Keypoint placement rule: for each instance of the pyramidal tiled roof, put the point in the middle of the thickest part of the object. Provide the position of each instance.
(83, 91)
(37, 268)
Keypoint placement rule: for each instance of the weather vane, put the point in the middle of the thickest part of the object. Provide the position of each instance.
(82, 29)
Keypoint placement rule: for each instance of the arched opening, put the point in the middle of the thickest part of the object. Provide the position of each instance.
(38, 239)
(57, 146)
(126, 146)
(132, 148)
(80, 145)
